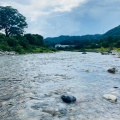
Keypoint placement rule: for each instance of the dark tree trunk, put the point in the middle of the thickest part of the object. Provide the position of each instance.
(6, 32)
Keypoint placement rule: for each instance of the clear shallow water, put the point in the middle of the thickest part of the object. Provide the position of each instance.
(31, 85)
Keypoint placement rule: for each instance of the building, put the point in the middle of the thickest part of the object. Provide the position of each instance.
(63, 46)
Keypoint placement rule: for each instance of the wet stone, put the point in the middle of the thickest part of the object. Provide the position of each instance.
(112, 70)
(68, 98)
(115, 87)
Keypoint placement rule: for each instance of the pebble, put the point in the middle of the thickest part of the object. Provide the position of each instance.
(110, 97)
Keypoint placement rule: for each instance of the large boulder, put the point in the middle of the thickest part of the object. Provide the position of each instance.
(110, 97)
(68, 98)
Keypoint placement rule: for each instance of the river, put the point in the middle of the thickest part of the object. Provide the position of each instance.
(31, 86)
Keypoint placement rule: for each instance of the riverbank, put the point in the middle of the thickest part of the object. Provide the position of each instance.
(31, 51)
(100, 50)
(7, 53)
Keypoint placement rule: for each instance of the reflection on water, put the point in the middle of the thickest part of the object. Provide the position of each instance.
(31, 86)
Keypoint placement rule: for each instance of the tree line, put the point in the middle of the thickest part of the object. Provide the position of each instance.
(22, 44)
(109, 41)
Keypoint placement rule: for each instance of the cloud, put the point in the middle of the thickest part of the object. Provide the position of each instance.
(68, 17)
(56, 5)
(36, 8)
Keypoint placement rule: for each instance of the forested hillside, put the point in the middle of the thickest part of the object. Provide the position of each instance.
(113, 32)
(110, 40)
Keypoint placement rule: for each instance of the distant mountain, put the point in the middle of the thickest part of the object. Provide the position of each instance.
(113, 32)
(57, 40)
(71, 39)
(109, 39)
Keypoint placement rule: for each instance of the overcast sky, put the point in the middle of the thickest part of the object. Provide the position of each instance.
(67, 17)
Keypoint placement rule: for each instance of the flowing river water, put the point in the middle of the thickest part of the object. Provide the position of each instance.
(31, 86)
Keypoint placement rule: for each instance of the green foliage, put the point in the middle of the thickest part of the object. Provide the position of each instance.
(11, 21)
(34, 39)
(90, 42)
(117, 49)
(19, 49)
(113, 32)
(73, 40)
(24, 44)
(12, 42)
(4, 46)
(118, 44)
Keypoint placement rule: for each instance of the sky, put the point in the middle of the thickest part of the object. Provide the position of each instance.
(51, 18)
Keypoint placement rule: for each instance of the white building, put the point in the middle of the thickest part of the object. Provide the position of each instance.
(63, 46)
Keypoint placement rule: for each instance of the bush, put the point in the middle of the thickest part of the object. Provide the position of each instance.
(19, 49)
(12, 42)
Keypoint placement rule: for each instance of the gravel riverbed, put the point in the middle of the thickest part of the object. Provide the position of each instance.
(31, 86)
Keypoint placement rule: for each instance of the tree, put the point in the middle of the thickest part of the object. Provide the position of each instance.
(34, 39)
(11, 21)
(118, 44)
(12, 42)
(40, 41)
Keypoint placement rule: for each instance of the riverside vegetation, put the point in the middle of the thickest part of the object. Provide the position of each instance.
(29, 43)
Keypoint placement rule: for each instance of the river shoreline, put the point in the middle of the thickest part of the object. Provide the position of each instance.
(7, 53)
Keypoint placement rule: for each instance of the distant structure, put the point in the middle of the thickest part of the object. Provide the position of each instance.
(63, 46)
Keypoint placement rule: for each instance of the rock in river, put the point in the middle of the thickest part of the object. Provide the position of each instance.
(115, 87)
(68, 98)
(111, 70)
(110, 97)
(84, 53)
